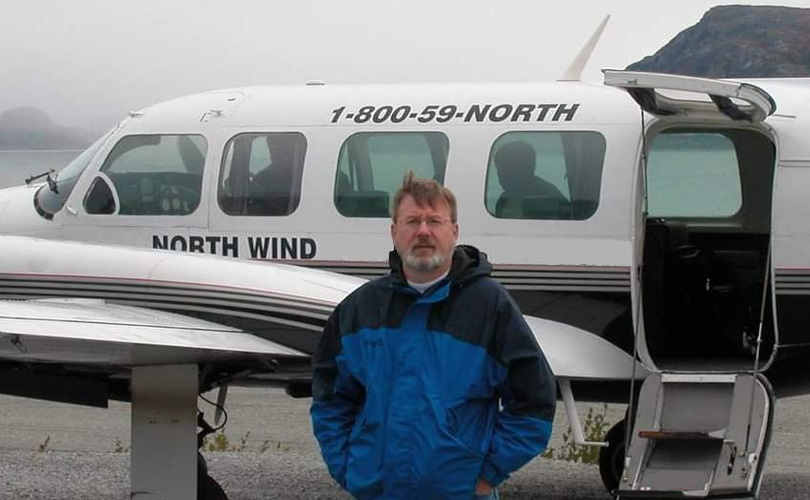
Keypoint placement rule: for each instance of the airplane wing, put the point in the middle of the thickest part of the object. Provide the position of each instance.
(576, 354)
(109, 337)
(77, 319)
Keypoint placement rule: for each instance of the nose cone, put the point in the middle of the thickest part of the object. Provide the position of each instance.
(18, 214)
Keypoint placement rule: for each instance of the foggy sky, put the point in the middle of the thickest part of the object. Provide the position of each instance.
(88, 62)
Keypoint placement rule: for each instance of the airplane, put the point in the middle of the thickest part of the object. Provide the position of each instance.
(664, 267)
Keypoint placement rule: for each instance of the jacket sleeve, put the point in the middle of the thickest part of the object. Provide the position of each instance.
(528, 397)
(336, 400)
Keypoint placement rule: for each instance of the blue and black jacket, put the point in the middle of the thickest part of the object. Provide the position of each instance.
(418, 395)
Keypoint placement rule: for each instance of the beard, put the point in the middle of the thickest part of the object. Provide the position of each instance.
(423, 264)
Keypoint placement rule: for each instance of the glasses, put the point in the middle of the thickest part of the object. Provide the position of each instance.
(414, 223)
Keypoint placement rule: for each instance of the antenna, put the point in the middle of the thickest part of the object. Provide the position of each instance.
(574, 71)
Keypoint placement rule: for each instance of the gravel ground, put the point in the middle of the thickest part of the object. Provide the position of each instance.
(84, 454)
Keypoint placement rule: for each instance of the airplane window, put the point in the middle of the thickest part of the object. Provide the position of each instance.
(693, 174)
(48, 200)
(261, 173)
(100, 199)
(154, 175)
(371, 167)
(545, 175)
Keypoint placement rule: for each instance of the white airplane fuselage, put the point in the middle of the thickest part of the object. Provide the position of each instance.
(179, 176)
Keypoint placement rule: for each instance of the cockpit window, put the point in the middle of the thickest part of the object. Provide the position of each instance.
(152, 175)
(51, 198)
(261, 173)
(545, 175)
(371, 167)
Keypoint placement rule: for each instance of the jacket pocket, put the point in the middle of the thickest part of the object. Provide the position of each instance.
(364, 459)
(453, 466)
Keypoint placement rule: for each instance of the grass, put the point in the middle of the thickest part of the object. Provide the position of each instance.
(594, 428)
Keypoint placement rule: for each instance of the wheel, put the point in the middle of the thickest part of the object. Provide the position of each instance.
(207, 487)
(611, 458)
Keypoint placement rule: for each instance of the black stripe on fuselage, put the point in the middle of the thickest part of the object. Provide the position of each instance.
(202, 300)
(600, 279)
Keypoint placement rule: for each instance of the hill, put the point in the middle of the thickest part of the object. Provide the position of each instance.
(30, 128)
(738, 41)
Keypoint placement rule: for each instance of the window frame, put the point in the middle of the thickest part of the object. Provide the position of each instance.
(564, 208)
(248, 205)
(364, 198)
(740, 194)
(177, 198)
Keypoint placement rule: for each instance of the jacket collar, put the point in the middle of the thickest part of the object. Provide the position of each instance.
(468, 263)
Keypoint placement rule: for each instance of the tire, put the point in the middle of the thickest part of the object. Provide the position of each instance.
(611, 458)
(209, 489)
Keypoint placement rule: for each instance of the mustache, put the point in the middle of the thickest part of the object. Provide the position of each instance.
(423, 241)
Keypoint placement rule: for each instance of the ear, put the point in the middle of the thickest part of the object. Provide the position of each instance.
(455, 231)
(393, 230)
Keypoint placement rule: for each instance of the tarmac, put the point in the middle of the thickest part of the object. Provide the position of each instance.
(58, 451)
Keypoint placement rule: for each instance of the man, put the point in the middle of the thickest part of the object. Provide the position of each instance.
(515, 164)
(413, 368)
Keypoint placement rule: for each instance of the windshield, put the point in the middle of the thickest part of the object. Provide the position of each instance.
(49, 200)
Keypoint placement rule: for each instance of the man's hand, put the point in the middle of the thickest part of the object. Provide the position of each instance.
(482, 487)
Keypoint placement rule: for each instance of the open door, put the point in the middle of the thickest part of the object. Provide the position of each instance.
(702, 420)
(657, 94)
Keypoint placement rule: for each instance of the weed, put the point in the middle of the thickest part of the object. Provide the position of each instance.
(594, 428)
(220, 442)
(243, 442)
(265, 446)
(43, 446)
(120, 448)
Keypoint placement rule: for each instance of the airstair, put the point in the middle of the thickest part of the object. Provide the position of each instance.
(698, 435)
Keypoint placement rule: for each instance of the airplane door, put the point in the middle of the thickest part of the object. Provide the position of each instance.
(707, 189)
(702, 420)
(677, 96)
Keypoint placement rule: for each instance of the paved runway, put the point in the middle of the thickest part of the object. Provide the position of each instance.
(57, 451)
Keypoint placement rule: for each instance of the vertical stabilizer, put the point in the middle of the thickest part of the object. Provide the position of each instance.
(574, 71)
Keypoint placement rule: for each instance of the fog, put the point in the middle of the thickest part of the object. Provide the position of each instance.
(87, 62)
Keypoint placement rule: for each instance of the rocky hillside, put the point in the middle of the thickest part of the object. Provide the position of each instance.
(30, 128)
(738, 41)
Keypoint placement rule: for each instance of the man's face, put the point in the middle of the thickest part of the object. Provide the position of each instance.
(424, 238)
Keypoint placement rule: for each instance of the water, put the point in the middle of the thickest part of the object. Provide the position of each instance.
(16, 166)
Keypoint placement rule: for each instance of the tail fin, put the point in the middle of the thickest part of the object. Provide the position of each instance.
(574, 71)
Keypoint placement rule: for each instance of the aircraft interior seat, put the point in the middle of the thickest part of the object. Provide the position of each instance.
(193, 158)
(271, 203)
(270, 191)
(661, 288)
(552, 205)
(736, 280)
(364, 204)
(344, 185)
(546, 207)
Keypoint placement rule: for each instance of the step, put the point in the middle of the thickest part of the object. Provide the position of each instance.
(698, 435)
